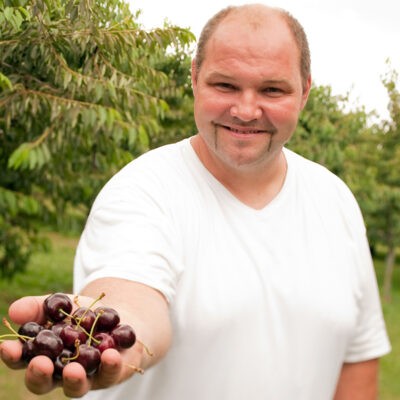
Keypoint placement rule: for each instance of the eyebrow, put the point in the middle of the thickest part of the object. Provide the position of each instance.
(219, 75)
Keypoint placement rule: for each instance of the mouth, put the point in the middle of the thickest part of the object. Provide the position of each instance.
(241, 130)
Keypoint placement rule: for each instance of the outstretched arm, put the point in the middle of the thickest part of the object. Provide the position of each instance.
(140, 306)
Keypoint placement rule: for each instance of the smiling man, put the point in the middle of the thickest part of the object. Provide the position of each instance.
(248, 90)
(244, 267)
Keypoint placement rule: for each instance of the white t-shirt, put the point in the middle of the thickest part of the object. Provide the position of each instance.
(264, 304)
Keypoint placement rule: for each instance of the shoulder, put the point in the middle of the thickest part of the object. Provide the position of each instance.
(313, 173)
(150, 175)
(167, 156)
(324, 188)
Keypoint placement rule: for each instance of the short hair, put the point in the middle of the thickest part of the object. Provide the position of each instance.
(294, 25)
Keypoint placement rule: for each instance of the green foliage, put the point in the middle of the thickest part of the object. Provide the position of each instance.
(387, 163)
(178, 122)
(381, 159)
(326, 132)
(83, 90)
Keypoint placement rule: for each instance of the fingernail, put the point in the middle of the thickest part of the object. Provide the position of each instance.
(111, 365)
(37, 372)
(72, 381)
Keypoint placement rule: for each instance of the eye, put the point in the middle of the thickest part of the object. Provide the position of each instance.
(273, 91)
(224, 86)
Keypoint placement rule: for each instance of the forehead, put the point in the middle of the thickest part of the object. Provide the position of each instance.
(254, 37)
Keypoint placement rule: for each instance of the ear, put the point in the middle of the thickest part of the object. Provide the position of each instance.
(306, 92)
(194, 77)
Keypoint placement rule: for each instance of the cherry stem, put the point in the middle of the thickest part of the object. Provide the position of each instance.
(89, 308)
(146, 348)
(65, 359)
(23, 337)
(65, 313)
(76, 301)
(92, 328)
(8, 326)
(95, 301)
(137, 369)
(78, 326)
(89, 335)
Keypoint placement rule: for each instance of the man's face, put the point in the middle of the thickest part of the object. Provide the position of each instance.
(248, 93)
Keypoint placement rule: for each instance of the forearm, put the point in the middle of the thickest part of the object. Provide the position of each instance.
(140, 306)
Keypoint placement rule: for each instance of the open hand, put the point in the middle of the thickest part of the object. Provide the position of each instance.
(115, 366)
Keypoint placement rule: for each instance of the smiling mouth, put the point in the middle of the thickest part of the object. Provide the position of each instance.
(243, 130)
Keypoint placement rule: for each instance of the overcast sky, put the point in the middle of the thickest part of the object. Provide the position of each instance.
(350, 40)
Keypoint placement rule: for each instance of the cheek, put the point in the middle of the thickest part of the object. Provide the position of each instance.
(283, 114)
(210, 105)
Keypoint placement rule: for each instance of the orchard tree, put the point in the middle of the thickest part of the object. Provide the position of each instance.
(374, 176)
(327, 133)
(178, 122)
(384, 158)
(81, 95)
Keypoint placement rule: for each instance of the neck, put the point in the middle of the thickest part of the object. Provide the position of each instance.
(254, 186)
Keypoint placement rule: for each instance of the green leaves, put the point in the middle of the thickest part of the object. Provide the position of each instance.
(28, 157)
(13, 17)
(5, 82)
(83, 90)
(17, 202)
(20, 157)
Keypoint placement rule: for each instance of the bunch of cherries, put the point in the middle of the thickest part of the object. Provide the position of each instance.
(81, 336)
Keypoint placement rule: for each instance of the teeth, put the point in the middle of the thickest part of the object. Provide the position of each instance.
(238, 131)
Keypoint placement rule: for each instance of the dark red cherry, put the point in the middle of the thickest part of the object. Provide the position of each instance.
(124, 336)
(60, 363)
(28, 351)
(47, 343)
(54, 303)
(89, 358)
(30, 329)
(84, 317)
(108, 319)
(69, 334)
(106, 341)
(58, 327)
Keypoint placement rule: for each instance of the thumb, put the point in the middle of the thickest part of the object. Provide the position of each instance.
(25, 309)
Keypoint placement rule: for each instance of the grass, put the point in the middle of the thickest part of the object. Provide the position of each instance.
(390, 365)
(52, 272)
(46, 273)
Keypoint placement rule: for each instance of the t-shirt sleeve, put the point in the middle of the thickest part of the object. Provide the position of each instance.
(370, 339)
(129, 235)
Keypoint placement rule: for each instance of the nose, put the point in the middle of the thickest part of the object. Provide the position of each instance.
(246, 108)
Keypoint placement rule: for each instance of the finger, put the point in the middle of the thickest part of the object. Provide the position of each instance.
(75, 382)
(110, 370)
(39, 375)
(30, 308)
(11, 351)
(27, 309)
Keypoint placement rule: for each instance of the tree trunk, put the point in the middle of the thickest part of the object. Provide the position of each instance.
(389, 265)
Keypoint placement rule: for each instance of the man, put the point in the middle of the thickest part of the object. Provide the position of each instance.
(242, 266)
